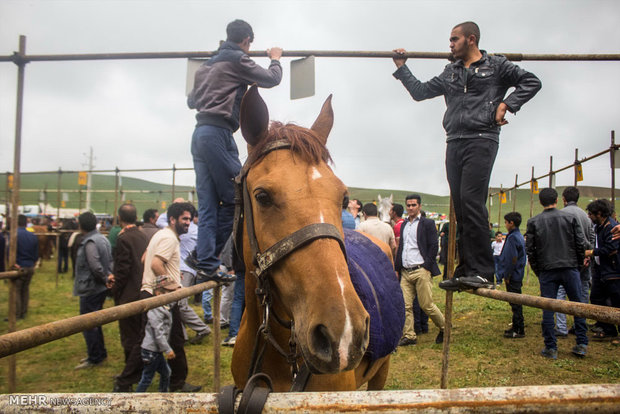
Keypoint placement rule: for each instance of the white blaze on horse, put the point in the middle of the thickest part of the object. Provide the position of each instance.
(307, 314)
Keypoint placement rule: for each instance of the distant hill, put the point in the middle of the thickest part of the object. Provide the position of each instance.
(147, 194)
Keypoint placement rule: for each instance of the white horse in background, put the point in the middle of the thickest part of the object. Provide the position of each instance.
(384, 206)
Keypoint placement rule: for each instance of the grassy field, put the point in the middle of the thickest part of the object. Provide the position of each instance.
(479, 355)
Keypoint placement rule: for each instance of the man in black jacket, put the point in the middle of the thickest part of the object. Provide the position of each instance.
(125, 285)
(416, 264)
(555, 248)
(474, 88)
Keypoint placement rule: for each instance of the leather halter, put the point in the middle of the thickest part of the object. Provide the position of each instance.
(265, 260)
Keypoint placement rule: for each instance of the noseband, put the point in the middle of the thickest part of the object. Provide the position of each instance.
(265, 260)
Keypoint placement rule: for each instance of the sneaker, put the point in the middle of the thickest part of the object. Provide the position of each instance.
(187, 388)
(224, 325)
(229, 341)
(439, 338)
(513, 334)
(580, 350)
(450, 284)
(88, 364)
(475, 282)
(215, 276)
(549, 353)
(407, 342)
(198, 338)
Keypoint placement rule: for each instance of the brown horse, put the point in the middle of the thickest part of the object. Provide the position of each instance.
(290, 188)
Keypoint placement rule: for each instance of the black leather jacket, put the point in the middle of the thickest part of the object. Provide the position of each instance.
(473, 94)
(554, 240)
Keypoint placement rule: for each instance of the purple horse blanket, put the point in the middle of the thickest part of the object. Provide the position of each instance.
(375, 282)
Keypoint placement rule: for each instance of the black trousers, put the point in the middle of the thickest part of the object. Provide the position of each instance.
(468, 166)
(518, 324)
(132, 333)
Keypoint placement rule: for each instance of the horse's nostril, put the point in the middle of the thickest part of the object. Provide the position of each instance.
(321, 343)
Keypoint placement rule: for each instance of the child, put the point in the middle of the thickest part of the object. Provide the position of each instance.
(510, 267)
(497, 245)
(155, 344)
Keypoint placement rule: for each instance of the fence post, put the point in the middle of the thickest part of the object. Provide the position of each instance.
(514, 199)
(21, 70)
(116, 171)
(576, 164)
(174, 170)
(551, 178)
(612, 153)
(58, 193)
(217, 301)
(499, 208)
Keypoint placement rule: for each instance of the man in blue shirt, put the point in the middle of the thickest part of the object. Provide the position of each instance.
(510, 267)
(348, 222)
(27, 256)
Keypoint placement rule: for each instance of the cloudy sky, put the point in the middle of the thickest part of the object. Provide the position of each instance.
(133, 113)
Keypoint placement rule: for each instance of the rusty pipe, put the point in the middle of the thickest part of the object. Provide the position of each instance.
(585, 310)
(14, 342)
(11, 274)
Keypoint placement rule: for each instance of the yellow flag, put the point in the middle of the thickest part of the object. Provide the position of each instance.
(163, 204)
(534, 186)
(502, 198)
(10, 181)
(82, 178)
(63, 204)
(579, 172)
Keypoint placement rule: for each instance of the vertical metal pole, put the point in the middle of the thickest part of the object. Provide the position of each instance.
(174, 171)
(80, 198)
(514, 197)
(445, 356)
(21, 70)
(115, 197)
(216, 337)
(612, 152)
(58, 193)
(499, 209)
(551, 171)
(532, 194)
(57, 256)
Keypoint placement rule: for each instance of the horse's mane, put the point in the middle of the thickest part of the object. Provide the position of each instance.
(304, 142)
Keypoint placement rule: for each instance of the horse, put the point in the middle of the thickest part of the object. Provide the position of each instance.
(302, 314)
(384, 206)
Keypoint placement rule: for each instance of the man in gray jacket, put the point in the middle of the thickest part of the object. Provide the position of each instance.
(93, 269)
(219, 86)
(474, 88)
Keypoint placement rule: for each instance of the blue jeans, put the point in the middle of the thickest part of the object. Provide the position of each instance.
(560, 318)
(207, 295)
(496, 262)
(94, 337)
(550, 280)
(216, 164)
(154, 362)
(236, 310)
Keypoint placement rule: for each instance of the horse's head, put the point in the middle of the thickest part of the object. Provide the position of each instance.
(384, 206)
(289, 189)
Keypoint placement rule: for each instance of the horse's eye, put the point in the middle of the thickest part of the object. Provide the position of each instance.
(263, 198)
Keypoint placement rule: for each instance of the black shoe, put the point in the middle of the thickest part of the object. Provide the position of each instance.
(192, 260)
(407, 342)
(571, 331)
(198, 338)
(450, 284)
(475, 282)
(187, 388)
(121, 388)
(208, 321)
(224, 325)
(215, 276)
(513, 334)
(439, 338)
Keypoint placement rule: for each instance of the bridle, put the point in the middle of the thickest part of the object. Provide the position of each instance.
(264, 262)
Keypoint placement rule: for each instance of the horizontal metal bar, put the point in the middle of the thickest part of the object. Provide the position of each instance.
(581, 398)
(585, 310)
(14, 342)
(20, 59)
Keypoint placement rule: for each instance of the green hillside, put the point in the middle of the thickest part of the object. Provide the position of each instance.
(147, 194)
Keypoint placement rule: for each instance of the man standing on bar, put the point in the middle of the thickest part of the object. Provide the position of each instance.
(474, 88)
(219, 86)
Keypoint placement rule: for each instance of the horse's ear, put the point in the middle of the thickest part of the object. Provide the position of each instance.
(254, 116)
(324, 122)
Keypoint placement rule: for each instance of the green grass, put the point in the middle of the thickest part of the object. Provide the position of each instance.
(479, 355)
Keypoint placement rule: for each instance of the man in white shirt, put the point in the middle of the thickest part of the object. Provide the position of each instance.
(376, 228)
